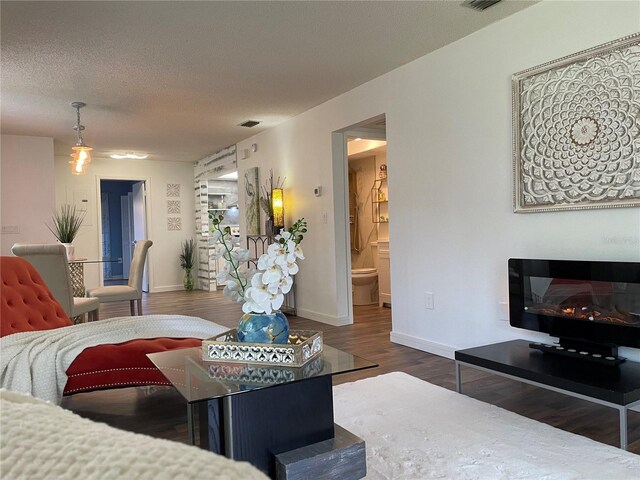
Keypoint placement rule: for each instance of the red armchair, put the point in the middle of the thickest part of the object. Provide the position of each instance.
(28, 305)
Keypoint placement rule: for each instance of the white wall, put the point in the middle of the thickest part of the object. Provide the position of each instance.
(26, 166)
(164, 267)
(450, 179)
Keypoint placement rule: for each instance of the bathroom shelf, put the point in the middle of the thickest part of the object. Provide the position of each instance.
(379, 201)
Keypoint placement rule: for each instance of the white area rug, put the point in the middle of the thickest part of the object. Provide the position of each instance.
(416, 430)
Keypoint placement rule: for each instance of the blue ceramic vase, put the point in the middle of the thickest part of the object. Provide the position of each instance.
(263, 328)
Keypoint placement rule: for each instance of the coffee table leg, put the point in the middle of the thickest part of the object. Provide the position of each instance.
(190, 423)
(458, 379)
(227, 414)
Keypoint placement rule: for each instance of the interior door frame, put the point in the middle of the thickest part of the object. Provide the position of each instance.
(147, 185)
(341, 205)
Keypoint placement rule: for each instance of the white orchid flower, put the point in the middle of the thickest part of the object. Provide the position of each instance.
(231, 289)
(235, 296)
(240, 255)
(275, 250)
(276, 301)
(273, 287)
(272, 274)
(265, 261)
(219, 250)
(282, 253)
(252, 304)
(257, 292)
(287, 235)
(292, 268)
(298, 252)
(291, 251)
(232, 285)
(222, 277)
(285, 284)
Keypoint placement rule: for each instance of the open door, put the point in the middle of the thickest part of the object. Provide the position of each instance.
(139, 217)
(126, 209)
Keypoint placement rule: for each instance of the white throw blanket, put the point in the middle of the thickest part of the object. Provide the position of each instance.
(36, 362)
(416, 430)
(43, 441)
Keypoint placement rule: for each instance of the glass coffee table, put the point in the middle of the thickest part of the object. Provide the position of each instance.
(280, 419)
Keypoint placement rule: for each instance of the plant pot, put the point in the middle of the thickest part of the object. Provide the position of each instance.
(263, 328)
(70, 250)
(188, 280)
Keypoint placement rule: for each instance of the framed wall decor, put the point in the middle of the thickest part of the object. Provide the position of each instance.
(576, 130)
(251, 201)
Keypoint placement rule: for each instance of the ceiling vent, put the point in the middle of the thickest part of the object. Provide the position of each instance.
(249, 123)
(479, 4)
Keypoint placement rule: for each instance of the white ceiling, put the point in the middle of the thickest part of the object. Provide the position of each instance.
(174, 79)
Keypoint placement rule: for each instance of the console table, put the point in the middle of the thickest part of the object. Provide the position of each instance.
(616, 387)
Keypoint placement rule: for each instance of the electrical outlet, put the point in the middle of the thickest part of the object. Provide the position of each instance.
(428, 300)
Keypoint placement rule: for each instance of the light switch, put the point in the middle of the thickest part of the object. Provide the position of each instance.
(7, 229)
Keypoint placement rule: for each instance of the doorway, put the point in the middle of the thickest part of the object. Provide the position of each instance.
(373, 203)
(368, 219)
(123, 222)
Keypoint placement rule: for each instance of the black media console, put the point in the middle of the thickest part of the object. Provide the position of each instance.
(617, 387)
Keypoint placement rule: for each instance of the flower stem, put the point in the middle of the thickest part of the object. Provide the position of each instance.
(235, 273)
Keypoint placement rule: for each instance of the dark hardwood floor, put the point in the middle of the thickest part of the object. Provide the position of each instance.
(161, 411)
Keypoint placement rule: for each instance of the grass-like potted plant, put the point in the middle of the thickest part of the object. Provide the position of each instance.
(65, 225)
(187, 261)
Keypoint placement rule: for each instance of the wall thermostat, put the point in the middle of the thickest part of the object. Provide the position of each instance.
(317, 191)
(254, 147)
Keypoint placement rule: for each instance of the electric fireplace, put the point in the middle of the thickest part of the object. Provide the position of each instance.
(592, 307)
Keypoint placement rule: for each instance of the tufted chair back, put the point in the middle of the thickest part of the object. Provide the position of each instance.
(26, 303)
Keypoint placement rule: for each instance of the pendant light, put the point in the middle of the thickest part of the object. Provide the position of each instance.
(81, 156)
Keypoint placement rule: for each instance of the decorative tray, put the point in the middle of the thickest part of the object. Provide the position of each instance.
(253, 376)
(303, 346)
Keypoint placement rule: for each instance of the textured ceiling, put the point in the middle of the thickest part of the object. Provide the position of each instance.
(174, 79)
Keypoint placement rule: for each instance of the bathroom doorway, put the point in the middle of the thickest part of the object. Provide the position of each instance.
(368, 215)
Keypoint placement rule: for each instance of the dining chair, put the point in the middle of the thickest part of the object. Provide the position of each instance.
(50, 260)
(132, 291)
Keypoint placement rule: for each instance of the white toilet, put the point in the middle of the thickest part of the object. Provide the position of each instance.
(365, 286)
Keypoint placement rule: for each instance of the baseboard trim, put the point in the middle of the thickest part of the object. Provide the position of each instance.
(167, 288)
(323, 318)
(422, 344)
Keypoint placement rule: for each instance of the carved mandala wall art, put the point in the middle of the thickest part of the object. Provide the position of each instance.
(173, 206)
(173, 189)
(576, 130)
(174, 223)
